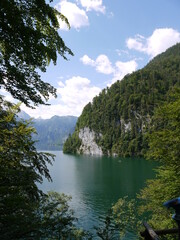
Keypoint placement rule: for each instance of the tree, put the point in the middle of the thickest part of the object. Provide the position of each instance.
(109, 230)
(56, 219)
(27, 212)
(164, 142)
(29, 40)
(21, 168)
(125, 216)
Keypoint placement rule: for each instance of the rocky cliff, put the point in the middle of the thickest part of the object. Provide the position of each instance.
(88, 142)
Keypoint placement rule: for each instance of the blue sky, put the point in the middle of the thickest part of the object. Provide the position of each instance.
(109, 38)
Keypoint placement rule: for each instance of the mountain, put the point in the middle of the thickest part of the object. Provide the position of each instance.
(116, 122)
(51, 133)
(23, 115)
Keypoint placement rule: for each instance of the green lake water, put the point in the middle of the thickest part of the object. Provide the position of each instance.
(95, 183)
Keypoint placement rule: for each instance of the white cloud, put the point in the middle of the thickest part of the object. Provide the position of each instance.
(87, 60)
(77, 91)
(122, 52)
(77, 17)
(93, 5)
(61, 84)
(73, 95)
(136, 43)
(102, 63)
(158, 42)
(7, 96)
(122, 69)
(46, 112)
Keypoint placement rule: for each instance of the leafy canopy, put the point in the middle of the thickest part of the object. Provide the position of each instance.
(164, 142)
(29, 40)
(21, 168)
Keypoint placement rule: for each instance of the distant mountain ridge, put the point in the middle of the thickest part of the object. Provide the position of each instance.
(24, 115)
(51, 133)
(116, 122)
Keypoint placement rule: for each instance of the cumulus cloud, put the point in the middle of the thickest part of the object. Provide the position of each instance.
(102, 63)
(122, 69)
(87, 60)
(73, 95)
(77, 17)
(137, 43)
(93, 5)
(77, 91)
(61, 84)
(158, 42)
(9, 98)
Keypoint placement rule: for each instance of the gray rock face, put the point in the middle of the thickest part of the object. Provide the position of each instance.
(125, 126)
(89, 146)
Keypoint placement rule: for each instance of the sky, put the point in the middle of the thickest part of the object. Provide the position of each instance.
(109, 39)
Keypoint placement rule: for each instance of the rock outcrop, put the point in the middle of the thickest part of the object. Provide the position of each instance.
(88, 144)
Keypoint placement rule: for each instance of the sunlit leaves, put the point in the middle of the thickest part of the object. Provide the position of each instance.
(29, 40)
(164, 142)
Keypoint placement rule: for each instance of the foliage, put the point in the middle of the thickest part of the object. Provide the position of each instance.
(21, 168)
(29, 40)
(164, 142)
(123, 112)
(56, 219)
(122, 218)
(72, 144)
(125, 216)
(108, 230)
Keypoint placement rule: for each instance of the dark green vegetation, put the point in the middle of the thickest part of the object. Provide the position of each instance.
(28, 42)
(51, 133)
(123, 112)
(26, 212)
(164, 142)
(72, 143)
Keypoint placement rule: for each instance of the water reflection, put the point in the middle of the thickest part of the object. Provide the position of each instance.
(95, 183)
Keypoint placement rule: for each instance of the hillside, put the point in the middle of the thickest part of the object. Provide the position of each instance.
(51, 133)
(116, 122)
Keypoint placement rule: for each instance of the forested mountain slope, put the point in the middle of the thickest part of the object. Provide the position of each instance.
(121, 115)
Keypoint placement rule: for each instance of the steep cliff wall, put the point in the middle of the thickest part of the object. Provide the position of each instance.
(88, 142)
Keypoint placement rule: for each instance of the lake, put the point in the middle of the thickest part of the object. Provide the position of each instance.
(95, 183)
